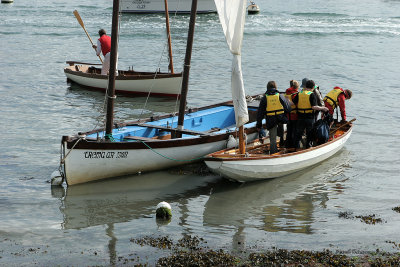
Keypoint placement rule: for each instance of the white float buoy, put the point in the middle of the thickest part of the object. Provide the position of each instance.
(56, 178)
(163, 211)
(231, 142)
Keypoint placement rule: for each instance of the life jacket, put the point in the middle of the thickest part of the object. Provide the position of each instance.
(304, 104)
(332, 96)
(293, 106)
(274, 105)
(105, 42)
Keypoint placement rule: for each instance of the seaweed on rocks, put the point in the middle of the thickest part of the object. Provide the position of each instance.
(191, 251)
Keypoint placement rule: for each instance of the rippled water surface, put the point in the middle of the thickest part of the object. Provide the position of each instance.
(353, 44)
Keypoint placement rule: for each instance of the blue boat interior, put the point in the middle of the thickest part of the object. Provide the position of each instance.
(215, 120)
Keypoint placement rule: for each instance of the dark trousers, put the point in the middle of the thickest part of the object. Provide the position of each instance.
(291, 134)
(304, 124)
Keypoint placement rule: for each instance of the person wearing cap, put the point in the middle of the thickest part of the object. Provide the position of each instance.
(335, 98)
(290, 93)
(320, 101)
(104, 46)
(303, 83)
(273, 107)
(306, 102)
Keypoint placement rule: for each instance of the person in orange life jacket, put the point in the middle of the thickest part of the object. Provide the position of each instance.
(104, 46)
(335, 98)
(306, 102)
(290, 93)
(273, 107)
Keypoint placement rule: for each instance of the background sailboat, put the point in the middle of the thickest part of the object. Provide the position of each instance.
(127, 82)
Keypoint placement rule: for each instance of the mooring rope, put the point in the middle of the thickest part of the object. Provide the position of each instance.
(158, 153)
(63, 160)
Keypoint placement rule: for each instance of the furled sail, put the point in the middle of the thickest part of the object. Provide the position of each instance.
(232, 14)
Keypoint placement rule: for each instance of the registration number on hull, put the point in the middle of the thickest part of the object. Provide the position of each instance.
(105, 155)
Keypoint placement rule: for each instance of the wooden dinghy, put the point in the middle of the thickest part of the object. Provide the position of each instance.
(256, 164)
(253, 8)
(127, 82)
(151, 144)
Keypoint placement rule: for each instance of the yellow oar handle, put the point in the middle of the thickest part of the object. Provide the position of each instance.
(80, 21)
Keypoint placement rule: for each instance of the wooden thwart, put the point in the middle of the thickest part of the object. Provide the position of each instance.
(140, 138)
(164, 128)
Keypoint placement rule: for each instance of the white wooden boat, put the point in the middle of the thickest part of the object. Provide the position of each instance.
(158, 6)
(255, 164)
(127, 82)
(148, 145)
(155, 143)
(253, 8)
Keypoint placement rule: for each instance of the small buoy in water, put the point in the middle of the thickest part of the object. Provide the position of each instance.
(231, 142)
(163, 211)
(56, 178)
(253, 8)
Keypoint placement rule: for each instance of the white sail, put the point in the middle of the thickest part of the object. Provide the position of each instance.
(232, 14)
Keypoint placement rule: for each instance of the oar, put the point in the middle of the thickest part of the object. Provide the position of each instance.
(78, 17)
(347, 123)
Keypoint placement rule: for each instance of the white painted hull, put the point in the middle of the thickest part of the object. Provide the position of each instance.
(250, 169)
(85, 165)
(158, 6)
(253, 9)
(162, 86)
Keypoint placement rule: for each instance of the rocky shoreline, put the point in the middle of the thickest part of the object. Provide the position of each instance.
(192, 251)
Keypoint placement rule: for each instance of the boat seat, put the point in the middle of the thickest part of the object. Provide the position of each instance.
(164, 128)
(140, 138)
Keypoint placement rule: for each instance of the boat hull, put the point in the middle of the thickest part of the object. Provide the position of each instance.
(160, 84)
(149, 144)
(95, 164)
(260, 168)
(158, 6)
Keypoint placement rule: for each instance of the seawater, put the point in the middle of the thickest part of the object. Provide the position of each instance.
(351, 44)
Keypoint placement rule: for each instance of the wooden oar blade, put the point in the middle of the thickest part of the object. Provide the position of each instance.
(78, 17)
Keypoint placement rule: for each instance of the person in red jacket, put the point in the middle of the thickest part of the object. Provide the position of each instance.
(335, 98)
(290, 93)
(104, 46)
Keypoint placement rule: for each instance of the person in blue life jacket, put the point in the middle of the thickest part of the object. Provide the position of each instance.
(307, 103)
(273, 107)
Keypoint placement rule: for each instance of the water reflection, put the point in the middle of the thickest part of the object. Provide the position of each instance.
(127, 198)
(122, 200)
(282, 204)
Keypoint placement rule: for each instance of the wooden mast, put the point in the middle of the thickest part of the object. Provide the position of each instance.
(186, 69)
(112, 71)
(171, 65)
(242, 145)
